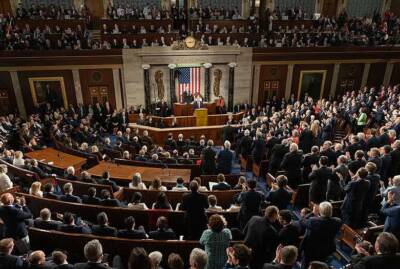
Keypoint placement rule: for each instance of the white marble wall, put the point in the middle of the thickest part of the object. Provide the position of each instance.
(159, 58)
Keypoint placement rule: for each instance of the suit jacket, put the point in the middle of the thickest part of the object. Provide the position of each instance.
(12, 262)
(91, 200)
(309, 160)
(224, 159)
(221, 186)
(208, 162)
(291, 163)
(276, 266)
(14, 221)
(262, 237)
(277, 154)
(132, 234)
(280, 198)
(167, 234)
(387, 261)
(392, 222)
(195, 204)
(47, 225)
(74, 229)
(103, 230)
(319, 181)
(90, 265)
(306, 140)
(245, 146)
(111, 183)
(228, 133)
(395, 154)
(258, 150)
(354, 204)
(289, 235)
(386, 166)
(50, 195)
(355, 165)
(111, 202)
(319, 239)
(250, 205)
(70, 198)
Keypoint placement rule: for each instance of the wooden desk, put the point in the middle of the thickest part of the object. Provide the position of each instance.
(123, 174)
(187, 109)
(59, 159)
(159, 135)
(190, 121)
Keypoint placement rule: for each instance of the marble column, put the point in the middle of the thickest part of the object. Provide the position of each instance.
(172, 90)
(335, 78)
(262, 14)
(77, 86)
(146, 76)
(207, 83)
(319, 4)
(18, 93)
(231, 86)
(117, 88)
(289, 81)
(364, 79)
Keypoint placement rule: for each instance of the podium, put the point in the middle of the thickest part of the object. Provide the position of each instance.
(201, 115)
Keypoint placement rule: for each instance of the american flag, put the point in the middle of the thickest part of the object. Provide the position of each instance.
(188, 79)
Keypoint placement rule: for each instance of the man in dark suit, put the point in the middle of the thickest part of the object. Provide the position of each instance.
(91, 198)
(289, 234)
(224, 159)
(291, 164)
(48, 192)
(244, 147)
(195, 204)
(108, 201)
(261, 236)
(310, 160)
(258, 148)
(93, 251)
(319, 239)
(386, 164)
(170, 143)
(68, 196)
(277, 154)
(71, 174)
(250, 202)
(45, 222)
(130, 231)
(373, 141)
(354, 212)
(386, 247)
(163, 232)
(228, 132)
(319, 180)
(358, 162)
(14, 216)
(306, 139)
(7, 260)
(286, 258)
(105, 180)
(222, 184)
(198, 103)
(395, 155)
(36, 169)
(208, 159)
(391, 211)
(280, 196)
(102, 228)
(69, 225)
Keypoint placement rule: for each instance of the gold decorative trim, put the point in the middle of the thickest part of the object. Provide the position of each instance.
(32, 82)
(322, 89)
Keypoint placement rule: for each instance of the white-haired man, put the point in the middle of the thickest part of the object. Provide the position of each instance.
(224, 159)
(319, 239)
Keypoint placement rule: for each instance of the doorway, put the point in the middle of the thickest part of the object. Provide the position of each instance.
(98, 94)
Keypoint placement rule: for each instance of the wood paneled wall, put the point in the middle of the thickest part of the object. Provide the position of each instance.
(350, 76)
(6, 87)
(273, 79)
(310, 67)
(97, 77)
(376, 74)
(5, 6)
(24, 76)
(395, 79)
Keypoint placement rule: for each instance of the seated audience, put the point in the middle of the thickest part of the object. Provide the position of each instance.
(179, 185)
(68, 196)
(45, 222)
(212, 202)
(137, 183)
(162, 202)
(70, 226)
(222, 184)
(163, 232)
(130, 231)
(136, 202)
(102, 228)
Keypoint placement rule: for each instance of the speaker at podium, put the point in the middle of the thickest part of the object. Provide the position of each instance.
(201, 115)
